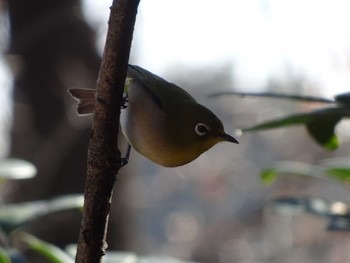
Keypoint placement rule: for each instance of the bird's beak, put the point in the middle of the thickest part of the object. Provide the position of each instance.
(228, 138)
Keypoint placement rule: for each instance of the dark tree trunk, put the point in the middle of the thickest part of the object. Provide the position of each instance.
(54, 50)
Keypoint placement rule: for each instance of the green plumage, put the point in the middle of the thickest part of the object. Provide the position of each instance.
(159, 89)
(162, 121)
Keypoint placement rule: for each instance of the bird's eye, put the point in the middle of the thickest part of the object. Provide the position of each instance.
(201, 129)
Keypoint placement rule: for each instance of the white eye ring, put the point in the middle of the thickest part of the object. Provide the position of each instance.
(201, 129)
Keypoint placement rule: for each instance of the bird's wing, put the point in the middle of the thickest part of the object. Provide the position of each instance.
(160, 90)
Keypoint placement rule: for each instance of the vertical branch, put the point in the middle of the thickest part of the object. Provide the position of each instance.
(104, 159)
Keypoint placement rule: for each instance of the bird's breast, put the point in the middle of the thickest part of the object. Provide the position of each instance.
(153, 132)
(144, 124)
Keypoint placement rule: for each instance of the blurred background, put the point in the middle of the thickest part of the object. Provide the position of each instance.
(215, 209)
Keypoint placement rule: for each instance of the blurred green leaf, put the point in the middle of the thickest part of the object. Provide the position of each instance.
(326, 170)
(49, 251)
(16, 215)
(16, 169)
(270, 174)
(281, 122)
(339, 173)
(274, 95)
(320, 124)
(4, 257)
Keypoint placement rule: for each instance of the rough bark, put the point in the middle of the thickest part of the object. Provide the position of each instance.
(104, 159)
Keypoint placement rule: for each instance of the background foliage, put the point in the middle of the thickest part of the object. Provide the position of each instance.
(216, 209)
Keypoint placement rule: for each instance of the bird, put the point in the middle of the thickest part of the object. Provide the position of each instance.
(160, 120)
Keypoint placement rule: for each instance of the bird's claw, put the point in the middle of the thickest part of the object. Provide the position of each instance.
(125, 101)
(125, 160)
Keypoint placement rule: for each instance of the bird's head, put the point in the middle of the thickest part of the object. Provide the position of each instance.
(200, 129)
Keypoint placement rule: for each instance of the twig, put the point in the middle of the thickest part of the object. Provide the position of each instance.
(104, 160)
(274, 95)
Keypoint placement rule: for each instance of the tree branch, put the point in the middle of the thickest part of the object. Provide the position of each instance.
(104, 160)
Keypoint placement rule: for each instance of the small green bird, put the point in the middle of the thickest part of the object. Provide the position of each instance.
(161, 121)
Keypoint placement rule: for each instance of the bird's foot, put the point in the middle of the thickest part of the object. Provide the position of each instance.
(124, 161)
(125, 101)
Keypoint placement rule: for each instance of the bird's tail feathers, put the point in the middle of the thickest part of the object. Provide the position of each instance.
(85, 98)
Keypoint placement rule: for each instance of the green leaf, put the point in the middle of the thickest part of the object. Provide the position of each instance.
(274, 95)
(281, 122)
(322, 127)
(49, 251)
(16, 169)
(339, 173)
(16, 215)
(270, 174)
(320, 124)
(4, 257)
